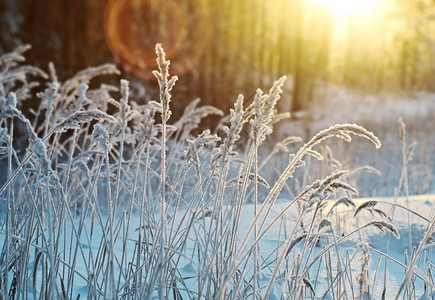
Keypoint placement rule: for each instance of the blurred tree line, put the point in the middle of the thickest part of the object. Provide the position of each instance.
(251, 44)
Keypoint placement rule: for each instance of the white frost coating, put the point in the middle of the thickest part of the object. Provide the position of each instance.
(39, 148)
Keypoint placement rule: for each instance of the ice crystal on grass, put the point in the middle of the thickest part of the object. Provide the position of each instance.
(4, 140)
(49, 97)
(194, 146)
(296, 241)
(82, 99)
(362, 277)
(193, 115)
(366, 205)
(10, 107)
(263, 111)
(39, 149)
(222, 154)
(75, 119)
(382, 225)
(348, 202)
(14, 56)
(85, 76)
(45, 175)
(251, 176)
(100, 136)
(15, 77)
(321, 189)
(166, 83)
(11, 101)
(343, 131)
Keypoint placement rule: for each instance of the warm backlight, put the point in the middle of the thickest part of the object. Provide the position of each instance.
(350, 8)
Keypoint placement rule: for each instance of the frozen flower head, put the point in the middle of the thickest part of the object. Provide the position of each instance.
(82, 99)
(49, 96)
(39, 148)
(54, 88)
(46, 175)
(82, 89)
(10, 108)
(40, 151)
(124, 91)
(12, 100)
(100, 136)
(166, 82)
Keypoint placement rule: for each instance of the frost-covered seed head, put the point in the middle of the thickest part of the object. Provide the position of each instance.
(39, 148)
(124, 90)
(12, 100)
(100, 136)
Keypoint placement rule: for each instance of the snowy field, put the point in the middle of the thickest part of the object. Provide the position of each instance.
(134, 205)
(381, 272)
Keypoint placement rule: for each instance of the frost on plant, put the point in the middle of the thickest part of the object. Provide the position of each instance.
(111, 198)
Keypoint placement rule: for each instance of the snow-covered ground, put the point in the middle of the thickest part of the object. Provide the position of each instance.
(411, 226)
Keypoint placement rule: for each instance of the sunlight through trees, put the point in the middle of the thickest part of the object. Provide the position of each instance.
(222, 48)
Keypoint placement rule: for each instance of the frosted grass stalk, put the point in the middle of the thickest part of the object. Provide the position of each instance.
(9, 210)
(165, 85)
(101, 135)
(341, 131)
(124, 109)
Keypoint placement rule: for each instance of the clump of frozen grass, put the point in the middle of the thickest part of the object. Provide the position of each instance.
(125, 205)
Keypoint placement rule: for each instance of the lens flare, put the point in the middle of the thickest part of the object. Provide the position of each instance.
(133, 27)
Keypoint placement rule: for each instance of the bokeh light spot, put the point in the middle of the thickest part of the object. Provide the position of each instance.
(133, 27)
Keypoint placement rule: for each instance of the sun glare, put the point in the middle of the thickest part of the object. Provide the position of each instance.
(350, 8)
